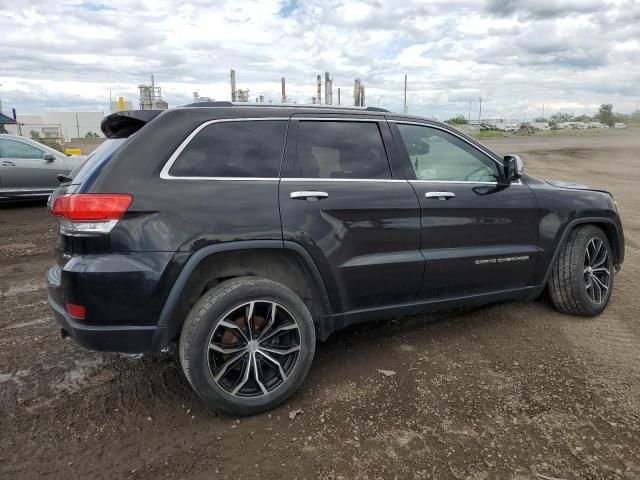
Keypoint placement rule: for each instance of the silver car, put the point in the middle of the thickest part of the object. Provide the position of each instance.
(29, 169)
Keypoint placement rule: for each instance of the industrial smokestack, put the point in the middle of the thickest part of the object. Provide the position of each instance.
(233, 86)
(319, 89)
(358, 93)
(328, 89)
(283, 99)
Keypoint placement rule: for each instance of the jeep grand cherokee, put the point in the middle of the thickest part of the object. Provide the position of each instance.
(248, 232)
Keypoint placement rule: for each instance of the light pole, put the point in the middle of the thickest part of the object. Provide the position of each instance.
(479, 114)
(379, 100)
(0, 101)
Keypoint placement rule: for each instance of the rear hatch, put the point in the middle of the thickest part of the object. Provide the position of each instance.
(85, 220)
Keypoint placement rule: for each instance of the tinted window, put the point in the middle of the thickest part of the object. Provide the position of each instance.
(96, 159)
(438, 155)
(14, 149)
(340, 150)
(234, 149)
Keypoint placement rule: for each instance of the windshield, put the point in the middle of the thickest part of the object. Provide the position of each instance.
(96, 160)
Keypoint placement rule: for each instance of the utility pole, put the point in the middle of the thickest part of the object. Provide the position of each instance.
(406, 107)
(470, 112)
(77, 126)
(0, 101)
(283, 98)
(338, 95)
(479, 113)
(543, 110)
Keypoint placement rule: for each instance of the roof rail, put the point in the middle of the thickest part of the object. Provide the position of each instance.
(209, 104)
(281, 105)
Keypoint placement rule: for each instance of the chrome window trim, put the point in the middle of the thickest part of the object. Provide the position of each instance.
(303, 179)
(340, 119)
(519, 182)
(164, 173)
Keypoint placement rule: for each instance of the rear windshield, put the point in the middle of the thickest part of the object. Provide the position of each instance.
(96, 160)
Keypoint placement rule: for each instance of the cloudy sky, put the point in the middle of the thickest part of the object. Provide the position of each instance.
(571, 55)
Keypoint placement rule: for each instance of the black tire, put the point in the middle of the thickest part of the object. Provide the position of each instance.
(569, 286)
(204, 324)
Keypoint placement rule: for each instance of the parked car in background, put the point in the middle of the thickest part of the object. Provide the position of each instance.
(29, 169)
(619, 125)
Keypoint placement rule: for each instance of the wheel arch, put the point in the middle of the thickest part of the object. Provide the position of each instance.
(607, 225)
(284, 262)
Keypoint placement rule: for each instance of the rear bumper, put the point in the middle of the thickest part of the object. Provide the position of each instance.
(105, 338)
(114, 337)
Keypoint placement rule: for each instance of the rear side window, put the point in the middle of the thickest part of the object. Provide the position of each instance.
(251, 148)
(96, 160)
(328, 149)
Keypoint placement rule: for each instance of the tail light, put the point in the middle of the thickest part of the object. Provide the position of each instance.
(76, 311)
(89, 213)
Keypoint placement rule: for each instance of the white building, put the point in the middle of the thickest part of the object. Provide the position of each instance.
(64, 125)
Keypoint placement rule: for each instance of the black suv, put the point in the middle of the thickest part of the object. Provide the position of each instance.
(248, 232)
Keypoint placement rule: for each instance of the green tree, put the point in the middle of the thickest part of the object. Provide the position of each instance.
(457, 120)
(583, 118)
(541, 119)
(605, 114)
(34, 134)
(561, 117)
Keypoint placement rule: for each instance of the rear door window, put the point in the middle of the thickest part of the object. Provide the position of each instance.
(340, 149)
(245, 149)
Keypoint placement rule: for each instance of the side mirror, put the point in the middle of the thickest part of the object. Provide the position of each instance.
(513, 167)
(49, 157)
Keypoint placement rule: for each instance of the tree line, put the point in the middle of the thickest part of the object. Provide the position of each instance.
(605, 115)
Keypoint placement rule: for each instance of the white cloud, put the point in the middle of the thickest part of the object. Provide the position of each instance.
(515, 54)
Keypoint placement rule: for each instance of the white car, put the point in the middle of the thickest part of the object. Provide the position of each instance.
(619, 125)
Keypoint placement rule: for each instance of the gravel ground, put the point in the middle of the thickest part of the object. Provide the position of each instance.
(509, 391)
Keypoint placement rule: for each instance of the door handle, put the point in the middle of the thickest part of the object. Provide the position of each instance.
(6, 163)
(309, 195)
(440, 195)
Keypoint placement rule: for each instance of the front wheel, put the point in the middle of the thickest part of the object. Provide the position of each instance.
(582, 277)
(247, 345)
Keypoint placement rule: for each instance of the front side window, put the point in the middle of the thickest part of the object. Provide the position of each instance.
(327, 149)
(20, 150)
(248, 148)
(440, 156)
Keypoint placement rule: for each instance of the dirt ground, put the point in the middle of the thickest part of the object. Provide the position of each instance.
(509, 391)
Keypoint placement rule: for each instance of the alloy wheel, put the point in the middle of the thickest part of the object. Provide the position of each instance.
(253, 349)
(597, 270)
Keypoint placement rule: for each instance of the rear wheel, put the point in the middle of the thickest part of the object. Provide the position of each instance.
(582, 277)
(247, 345)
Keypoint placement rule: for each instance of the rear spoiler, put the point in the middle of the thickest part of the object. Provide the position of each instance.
(124, 124)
